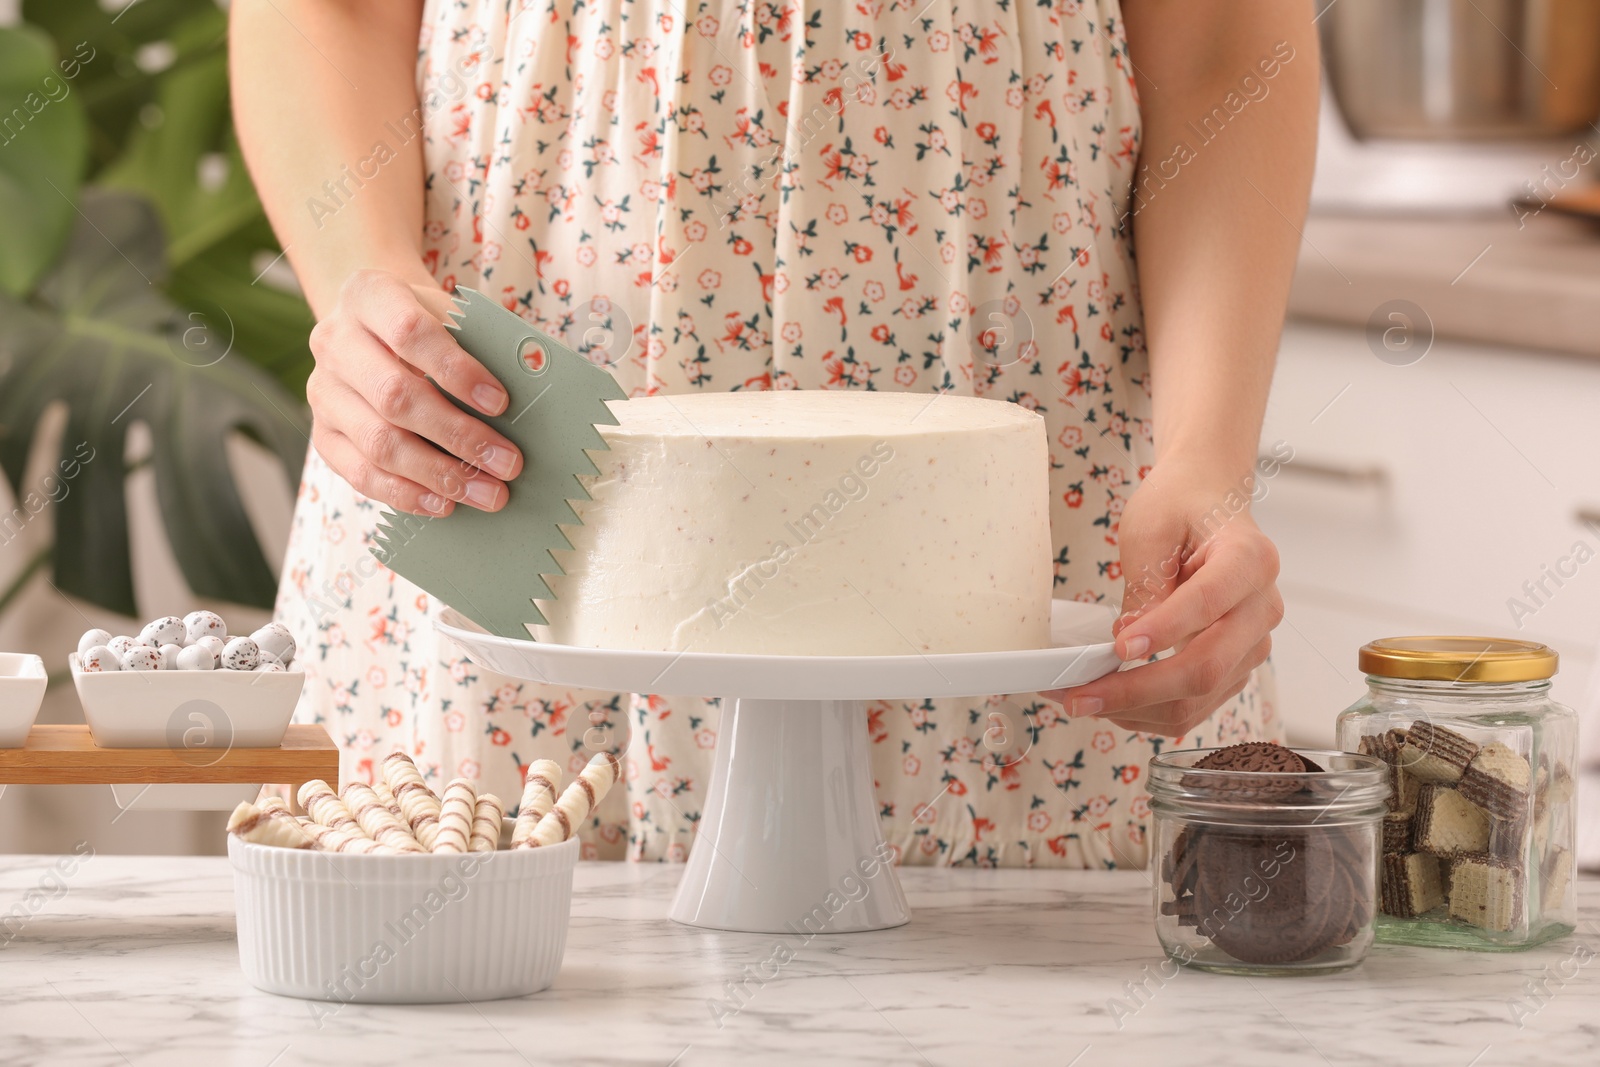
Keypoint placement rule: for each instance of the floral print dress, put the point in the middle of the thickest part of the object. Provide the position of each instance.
(770, 194)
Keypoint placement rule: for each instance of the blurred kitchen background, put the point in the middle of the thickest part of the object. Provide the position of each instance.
(1439, 383)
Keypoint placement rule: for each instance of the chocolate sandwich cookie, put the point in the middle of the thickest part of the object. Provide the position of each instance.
(1265, 894)
(1254, 756)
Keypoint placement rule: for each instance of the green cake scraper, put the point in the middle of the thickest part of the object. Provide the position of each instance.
(492, 567)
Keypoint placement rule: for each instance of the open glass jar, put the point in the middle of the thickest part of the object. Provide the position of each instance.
(1478, 838)
(1264, 873)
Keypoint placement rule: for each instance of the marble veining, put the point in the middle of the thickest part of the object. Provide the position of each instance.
(134, 962)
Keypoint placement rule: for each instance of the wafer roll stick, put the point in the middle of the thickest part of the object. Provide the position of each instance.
(327, 839)
(417, 802)
(486, 817)
(577, 801)
(456, 811)
(249, 823)
(326, 809)
(381, 824)
(387, 799)
(538, 797)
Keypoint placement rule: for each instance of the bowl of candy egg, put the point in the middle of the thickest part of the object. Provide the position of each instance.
(186, 683)
(390, 893)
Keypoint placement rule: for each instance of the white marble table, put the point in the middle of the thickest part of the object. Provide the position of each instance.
(134, 963)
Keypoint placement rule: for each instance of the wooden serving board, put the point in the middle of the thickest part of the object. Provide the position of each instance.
(66, 755)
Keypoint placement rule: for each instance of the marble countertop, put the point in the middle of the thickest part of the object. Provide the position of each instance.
(132, 961)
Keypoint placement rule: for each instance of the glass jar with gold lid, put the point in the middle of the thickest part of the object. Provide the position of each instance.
(1478, 837)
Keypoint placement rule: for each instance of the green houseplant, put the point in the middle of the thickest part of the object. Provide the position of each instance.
(131, 249)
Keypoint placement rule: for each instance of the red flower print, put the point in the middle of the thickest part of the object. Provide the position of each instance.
(1073, 498)
(1103, 741)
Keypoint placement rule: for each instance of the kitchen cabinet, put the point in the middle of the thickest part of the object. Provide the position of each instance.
(1457, 494)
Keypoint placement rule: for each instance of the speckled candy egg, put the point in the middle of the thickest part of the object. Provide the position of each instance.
(99, 658)
(169, 657)
(167, 630)
(122, 644)
(212, 645)
(142, 658)
(241, 654)
(198, 624)
(269, 666)
(92, 639)
(276, 639)
(196, 658)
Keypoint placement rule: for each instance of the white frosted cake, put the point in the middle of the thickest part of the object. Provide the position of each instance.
(811, 523)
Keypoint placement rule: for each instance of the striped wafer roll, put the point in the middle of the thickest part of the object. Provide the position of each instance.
(326, 809)
(250, 823)
(538, 797)
(577, 801)
(456, 811)
(381, 824)
(327, 839)
(486, 817)
(417, 802)
(387, 799)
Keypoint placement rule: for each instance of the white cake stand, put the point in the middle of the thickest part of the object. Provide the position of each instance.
(789, 831)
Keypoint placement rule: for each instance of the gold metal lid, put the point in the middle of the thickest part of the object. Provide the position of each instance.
(1458, 659)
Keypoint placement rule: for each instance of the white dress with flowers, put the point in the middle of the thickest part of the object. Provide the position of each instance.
(772, 195)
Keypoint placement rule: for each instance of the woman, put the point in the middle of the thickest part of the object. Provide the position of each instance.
(881, 195)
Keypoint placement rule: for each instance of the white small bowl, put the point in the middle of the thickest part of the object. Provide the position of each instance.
(432, 929)
(187, 709)
(22, 685)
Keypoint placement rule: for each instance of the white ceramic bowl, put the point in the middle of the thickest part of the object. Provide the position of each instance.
(434, 929)
(22, 684)
(187, 709)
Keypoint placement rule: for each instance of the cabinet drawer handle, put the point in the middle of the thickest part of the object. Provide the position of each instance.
(1335, 472)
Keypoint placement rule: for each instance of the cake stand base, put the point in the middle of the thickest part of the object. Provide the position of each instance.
(788, 840)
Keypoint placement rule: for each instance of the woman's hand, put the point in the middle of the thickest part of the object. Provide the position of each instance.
(1200, 578)
(384, 427)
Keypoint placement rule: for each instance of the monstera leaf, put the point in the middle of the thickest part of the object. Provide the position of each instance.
(98, 335)
(41, 156)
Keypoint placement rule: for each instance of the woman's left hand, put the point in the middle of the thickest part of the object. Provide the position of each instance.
(1200, 577)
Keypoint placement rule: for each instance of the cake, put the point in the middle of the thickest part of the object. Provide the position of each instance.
(811, 523)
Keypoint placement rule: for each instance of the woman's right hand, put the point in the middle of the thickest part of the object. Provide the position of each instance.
(385, 428)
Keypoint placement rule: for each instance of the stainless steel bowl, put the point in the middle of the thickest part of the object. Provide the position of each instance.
(1455, 70)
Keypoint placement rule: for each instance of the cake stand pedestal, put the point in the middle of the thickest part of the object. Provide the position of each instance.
(788, 839)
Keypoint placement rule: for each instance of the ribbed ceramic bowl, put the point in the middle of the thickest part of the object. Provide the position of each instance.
(432, 929)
